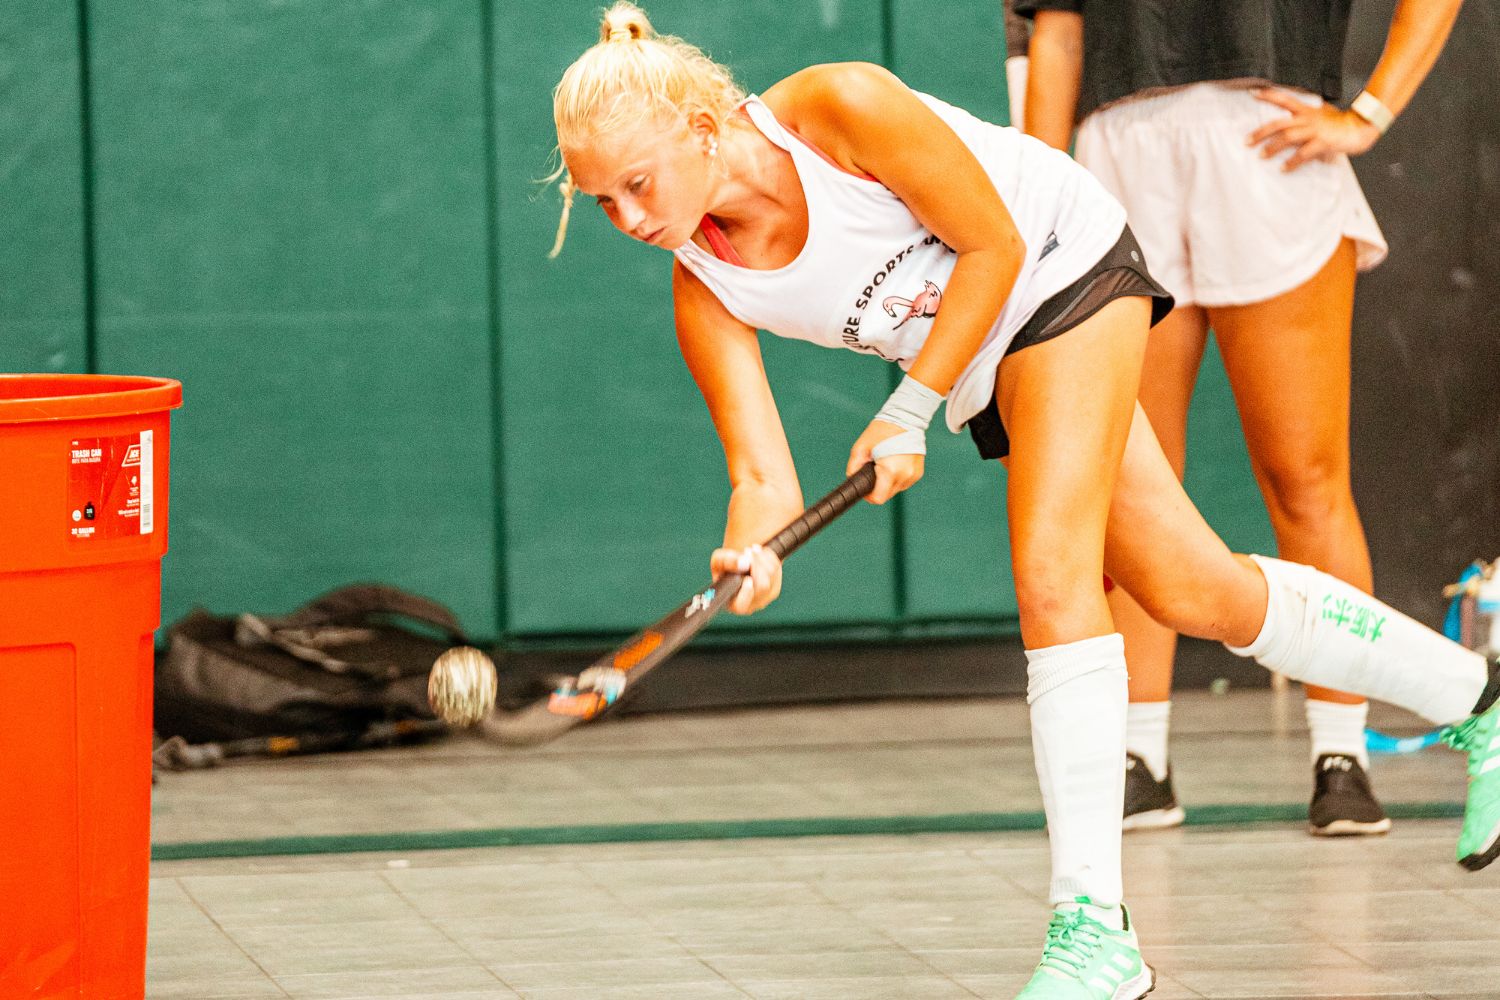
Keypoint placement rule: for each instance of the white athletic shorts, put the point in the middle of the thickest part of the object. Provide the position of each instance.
(1219, 224)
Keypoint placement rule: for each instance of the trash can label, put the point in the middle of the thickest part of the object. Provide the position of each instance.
(110, 486)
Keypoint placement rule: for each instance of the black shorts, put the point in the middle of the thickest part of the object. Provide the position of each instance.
(1119, 273)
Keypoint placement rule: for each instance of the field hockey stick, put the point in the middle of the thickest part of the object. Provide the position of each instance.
(595, 691)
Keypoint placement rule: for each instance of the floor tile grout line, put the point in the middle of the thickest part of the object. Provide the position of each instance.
(881, 932)
(819, 747)
(230, 937)
(985, 863)
(1451, 893)
(444, 932)
(610, 889)
(723, 976)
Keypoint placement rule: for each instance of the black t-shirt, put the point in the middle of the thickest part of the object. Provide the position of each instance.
(1135, 45)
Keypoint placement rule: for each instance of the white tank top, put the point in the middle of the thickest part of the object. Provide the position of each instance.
(871, 276)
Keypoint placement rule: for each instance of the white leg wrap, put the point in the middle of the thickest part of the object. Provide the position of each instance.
(1320, 630)
(1077, 692)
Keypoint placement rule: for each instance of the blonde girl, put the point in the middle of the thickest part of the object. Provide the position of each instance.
(842, 208)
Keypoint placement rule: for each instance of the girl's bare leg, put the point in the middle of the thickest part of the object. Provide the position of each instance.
(1288, 360)
(1068, 431)
(1174, 353)
(1289, 617)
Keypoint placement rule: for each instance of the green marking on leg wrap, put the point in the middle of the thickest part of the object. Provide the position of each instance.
(1358, 620)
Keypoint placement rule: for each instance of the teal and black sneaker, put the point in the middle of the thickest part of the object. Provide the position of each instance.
(1479, 737)
(1085, 960)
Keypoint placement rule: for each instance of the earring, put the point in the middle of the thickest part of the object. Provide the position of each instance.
(713, 147)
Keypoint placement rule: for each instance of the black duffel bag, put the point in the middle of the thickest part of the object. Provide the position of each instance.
(355, 658)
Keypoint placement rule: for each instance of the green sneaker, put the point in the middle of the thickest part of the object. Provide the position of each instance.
(1085, 960)
(1479, 737)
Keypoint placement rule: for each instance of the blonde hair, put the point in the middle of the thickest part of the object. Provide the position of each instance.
(632, 75)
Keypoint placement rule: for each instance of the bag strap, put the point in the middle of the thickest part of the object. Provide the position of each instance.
(339, 617)
(358, 603)
(306, 643)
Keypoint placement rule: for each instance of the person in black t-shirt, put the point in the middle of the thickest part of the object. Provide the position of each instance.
(1217, 124)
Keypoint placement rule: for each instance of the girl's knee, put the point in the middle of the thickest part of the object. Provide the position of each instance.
(1216, 608)
(1060, 602)
(1308, 492)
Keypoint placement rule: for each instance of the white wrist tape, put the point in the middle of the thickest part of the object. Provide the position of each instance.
(1373, 110)
(905, 443)
(911, 406)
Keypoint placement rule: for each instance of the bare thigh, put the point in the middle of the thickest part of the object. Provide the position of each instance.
(1288, 361)
(1067, 404)
(1161, 550)
(1174, 354)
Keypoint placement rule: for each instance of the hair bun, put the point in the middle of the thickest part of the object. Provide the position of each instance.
(625, 22)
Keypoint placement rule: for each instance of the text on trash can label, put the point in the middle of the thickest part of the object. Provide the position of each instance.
(111, 486)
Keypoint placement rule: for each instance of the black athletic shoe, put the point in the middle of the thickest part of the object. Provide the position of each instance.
(1343, 804)
(1149, 804)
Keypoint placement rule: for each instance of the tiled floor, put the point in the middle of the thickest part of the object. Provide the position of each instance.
(1252, 911)
(882, 758)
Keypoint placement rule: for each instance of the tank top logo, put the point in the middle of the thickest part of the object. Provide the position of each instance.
(924, 306)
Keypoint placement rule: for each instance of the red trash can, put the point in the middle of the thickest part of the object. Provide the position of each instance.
(83, 528)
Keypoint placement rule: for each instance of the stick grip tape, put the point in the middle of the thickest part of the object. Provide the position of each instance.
(812, 520)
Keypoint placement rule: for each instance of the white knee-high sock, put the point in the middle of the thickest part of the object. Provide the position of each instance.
(1320, 630)
(1147, 728)
(1333, 727)
(1077, 692)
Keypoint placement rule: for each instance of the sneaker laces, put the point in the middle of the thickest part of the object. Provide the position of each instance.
(1072, 938)
(1466, 735)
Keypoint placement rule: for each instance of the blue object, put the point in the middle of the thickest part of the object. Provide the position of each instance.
(1377, 742)
(1451, 627)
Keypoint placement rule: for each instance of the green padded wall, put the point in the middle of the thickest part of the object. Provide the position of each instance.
(42, 298)
(613, 482)
(956, 548)
(292, 218)
(325, 219)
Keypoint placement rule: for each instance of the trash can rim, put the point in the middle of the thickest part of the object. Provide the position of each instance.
(34, 398)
